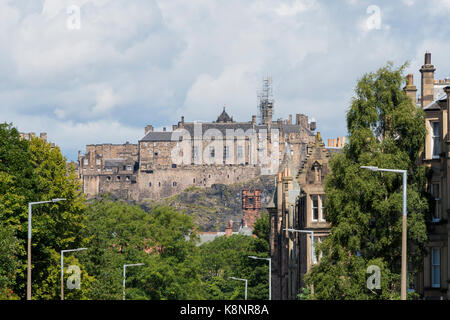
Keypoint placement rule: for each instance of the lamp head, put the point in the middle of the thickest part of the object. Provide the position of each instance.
(371, 168)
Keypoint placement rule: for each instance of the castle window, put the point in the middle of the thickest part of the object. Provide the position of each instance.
(194, 180)
(174, 184)
(108, 178)
(195, 153)
(156, 154)
(159, 184)
(211, 152)
(84, 170)
(150, 184)
(226, 152)
(118, 178)
(154, 144)
(124, 168)
(108, 169)
(127, 178)
(240, 152)
(129, 168)
(174, 166)
(86, 162)
(99, 162)
(435, 267)
(435, 140)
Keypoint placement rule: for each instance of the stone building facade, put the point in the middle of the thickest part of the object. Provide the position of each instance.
(297, 218)
(197, 154)
(433, 281)
(251, 207)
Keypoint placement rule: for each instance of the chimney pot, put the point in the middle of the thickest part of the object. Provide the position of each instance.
(428, 58)
(410, 78)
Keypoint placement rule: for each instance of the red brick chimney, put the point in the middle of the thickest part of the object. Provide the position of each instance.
(229, 229)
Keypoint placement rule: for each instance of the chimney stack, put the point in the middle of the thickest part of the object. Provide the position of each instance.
(148, 129)
(253, 119)
(290, 119)
(410, 89)
(427, 72)
(43, 136)
(229, 229)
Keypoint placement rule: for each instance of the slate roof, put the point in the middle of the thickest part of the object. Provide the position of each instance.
(158, 136)
(224, 117)
(435, 104)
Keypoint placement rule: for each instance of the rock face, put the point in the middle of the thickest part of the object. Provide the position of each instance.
(212, 208)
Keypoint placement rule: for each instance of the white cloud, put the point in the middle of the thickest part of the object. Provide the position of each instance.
(142, 62)
(294, 8)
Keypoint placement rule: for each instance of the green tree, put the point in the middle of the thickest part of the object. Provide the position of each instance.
(35, 171)
(262, 227)
(385, 130)
(226, 257)
(162, 239)
(9, 262)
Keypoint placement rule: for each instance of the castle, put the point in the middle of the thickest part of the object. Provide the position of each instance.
(201, 154)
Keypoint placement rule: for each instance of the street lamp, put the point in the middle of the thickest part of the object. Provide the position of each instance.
(270, 272)
(311, 232)
(124, 274)
(245, 284)
(62, 268)
(29, 242)
(404, 235)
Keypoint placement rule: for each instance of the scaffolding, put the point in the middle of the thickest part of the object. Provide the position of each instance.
(265, 101)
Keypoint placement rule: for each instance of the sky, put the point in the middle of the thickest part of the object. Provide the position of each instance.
(99, 71)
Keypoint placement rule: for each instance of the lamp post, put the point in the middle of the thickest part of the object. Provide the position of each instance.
(404, 220)
(125, 274)
(29, 242)
(270, 272)
(311, 232)
(62, 268)
(245, 280)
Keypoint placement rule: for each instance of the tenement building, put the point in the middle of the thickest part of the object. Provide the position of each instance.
(225, 151)
(297, 218)
(434, 278)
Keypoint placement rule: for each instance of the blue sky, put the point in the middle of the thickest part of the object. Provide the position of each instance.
(138, 62)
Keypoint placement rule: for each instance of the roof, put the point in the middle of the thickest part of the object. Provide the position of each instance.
(224, 117)
(158, 136)
(435, 104)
